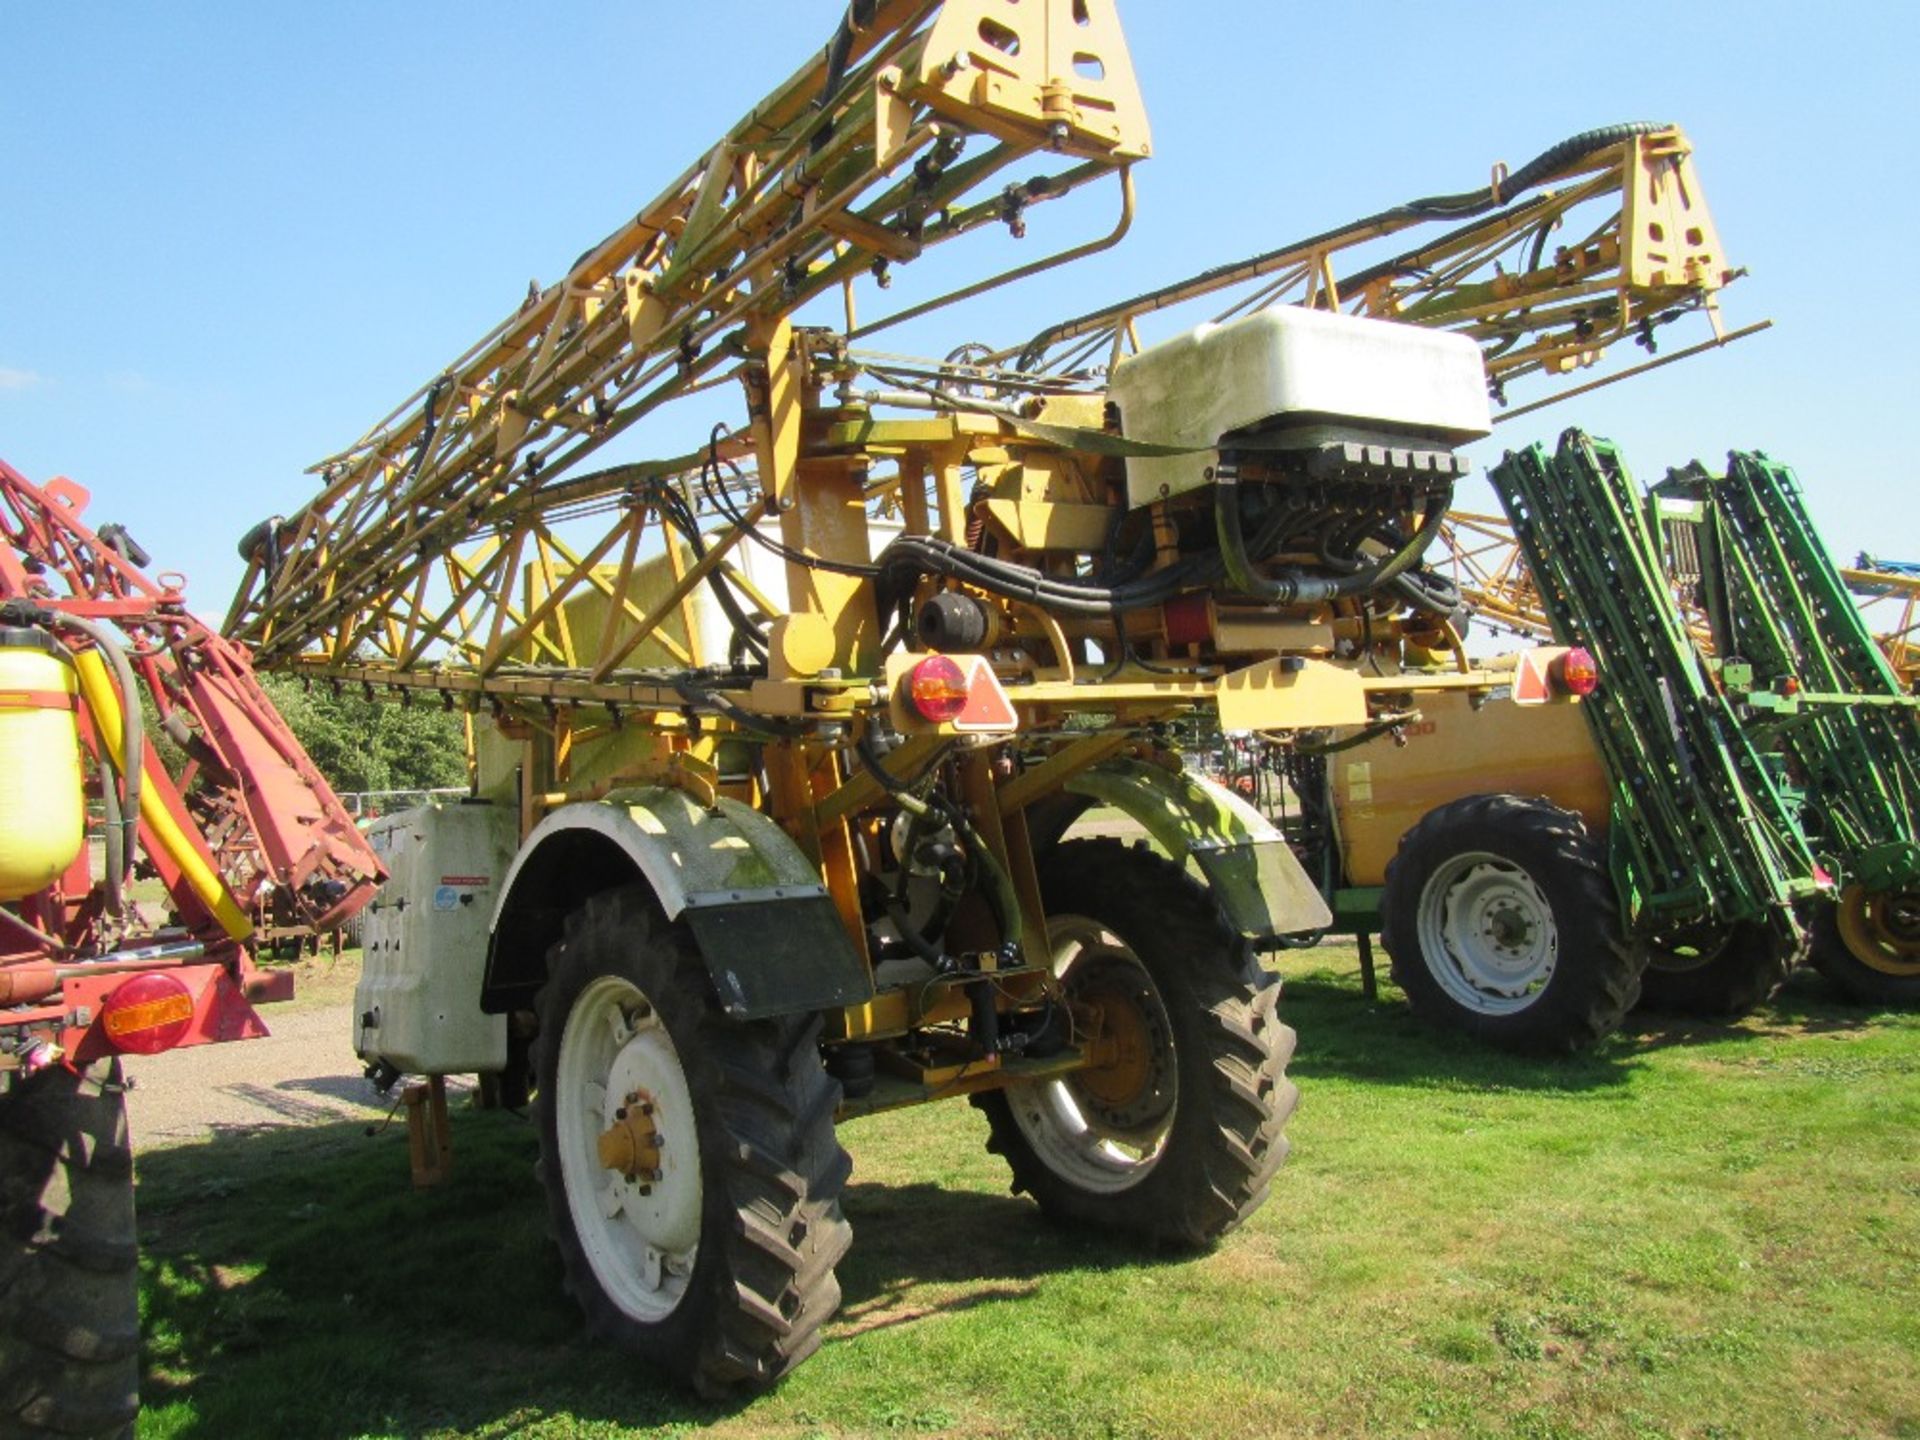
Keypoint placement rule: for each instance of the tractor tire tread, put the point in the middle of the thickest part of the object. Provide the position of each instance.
(69, 1259)
(765, 1106)
(1236, 1142)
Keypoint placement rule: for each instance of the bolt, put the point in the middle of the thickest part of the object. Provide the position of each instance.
(646, 1189)
(646, 1107)
(621, 1113)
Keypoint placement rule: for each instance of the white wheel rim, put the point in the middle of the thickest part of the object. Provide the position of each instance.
(641, 1247)
(1487, 933)
(1060, 1122)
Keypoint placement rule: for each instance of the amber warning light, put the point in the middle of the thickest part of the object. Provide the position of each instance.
(147, 1014)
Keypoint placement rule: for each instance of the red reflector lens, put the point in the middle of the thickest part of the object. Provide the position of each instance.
(147, 1014)
(1576, 672)
(938, 689)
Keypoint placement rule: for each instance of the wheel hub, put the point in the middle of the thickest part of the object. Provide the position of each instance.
(1126, 1090)
(1509, 929)
(1106, 1126)
(1487, 933)
(1882, 928)
(629, 1148)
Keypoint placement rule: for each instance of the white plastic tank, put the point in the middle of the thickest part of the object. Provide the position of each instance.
(1286, 365)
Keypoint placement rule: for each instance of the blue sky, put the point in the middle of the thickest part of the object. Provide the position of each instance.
(236, 235)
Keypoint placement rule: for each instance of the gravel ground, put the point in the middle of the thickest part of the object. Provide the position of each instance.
(304, 1073)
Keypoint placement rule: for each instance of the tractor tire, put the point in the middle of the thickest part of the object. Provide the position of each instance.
(1715, 971)
(1868, 944)
(709, 1251)
(1502, 924)
(69, 1271)
(1178, 1138)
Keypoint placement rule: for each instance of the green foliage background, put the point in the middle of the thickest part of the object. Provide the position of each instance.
(362, 744)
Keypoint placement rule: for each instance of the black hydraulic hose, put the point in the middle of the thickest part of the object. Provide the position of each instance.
(997, 884)
(716, 493)
(1575, 147)
(1425, 590)
(858, 17)
(123, 808)
(674, 511)
(1297, 586)
(895, 901)
(776, 726)
(909, 556)
(1358, 738)
(429, 425)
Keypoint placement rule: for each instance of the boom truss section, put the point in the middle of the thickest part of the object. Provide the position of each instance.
(1603, 238)
(896, 139)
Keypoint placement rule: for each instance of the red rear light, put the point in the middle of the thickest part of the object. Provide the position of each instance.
(1575, 672)
(938, 689)
(147, 1014)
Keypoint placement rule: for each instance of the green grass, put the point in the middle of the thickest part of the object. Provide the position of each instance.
(1698, 1231)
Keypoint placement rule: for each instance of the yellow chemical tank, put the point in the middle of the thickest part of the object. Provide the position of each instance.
(42, 794)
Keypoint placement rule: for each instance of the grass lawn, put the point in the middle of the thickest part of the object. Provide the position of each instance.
(1698, 1230)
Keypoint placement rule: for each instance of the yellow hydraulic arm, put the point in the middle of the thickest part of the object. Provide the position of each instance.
(895, 139)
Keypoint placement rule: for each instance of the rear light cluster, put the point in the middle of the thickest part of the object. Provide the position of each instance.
(1576, 673)
(147, 1014)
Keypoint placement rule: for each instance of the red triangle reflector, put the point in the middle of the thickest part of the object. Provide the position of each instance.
(987, 707)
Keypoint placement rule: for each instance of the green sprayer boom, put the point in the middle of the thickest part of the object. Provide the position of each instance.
(1795, 652)
(1700, 830)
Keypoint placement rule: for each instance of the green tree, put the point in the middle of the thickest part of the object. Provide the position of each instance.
(362, 744)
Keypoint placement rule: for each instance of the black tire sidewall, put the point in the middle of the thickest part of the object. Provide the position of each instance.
(1749, 966)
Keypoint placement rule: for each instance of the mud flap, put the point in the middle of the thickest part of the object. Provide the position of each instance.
(776, 956)
(1248, 865)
